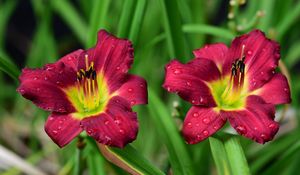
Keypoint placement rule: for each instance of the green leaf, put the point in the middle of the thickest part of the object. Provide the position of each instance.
(220, 156)
(130, 158)
(97, 20)
(7, 66)
(71, 17)
(236, 156)
(137, 20)
(288, 20)
(178, 155)
(126, 17)
(207, 29)
(173, 29)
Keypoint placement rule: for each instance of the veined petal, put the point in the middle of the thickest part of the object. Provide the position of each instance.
(256, 121)
(44, 86)
(112, 56)
(215, 52)
(134, 90)
(261, 57)
(276, 91)
(200, 123)
(117, 126)
(188, 80)
(62, 128)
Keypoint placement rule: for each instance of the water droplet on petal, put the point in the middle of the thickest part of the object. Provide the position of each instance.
(59, 128)
(197, 124)
(193, 101)
(89, 131)
(38, 89)
(51, 118)
(108, 139)
(249, 52)
(201, 100)
(206, 120)
(35, 78)
(169, 89)
(142, 85)
(132, 102)
(285, 89)
(198, 136)
(106, 122)
(54, 132)
(121, 131)
(61, 122)
(255, 128)
(216, 127)
(188, 83)
(177, 71)
(118, 68)
(130, 90)
(117, 122)
(57, 82)
(205, 132)
(261, 73)
(22, 91)
(195, 114)
(69, 58)
(46, 78)
(189, 124)
(272, 125)
(263, 136)
(241, 129)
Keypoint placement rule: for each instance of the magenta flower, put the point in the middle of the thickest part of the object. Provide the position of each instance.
(89, 90)
(238, 84)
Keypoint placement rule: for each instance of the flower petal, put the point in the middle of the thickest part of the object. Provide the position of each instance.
(62, 128)
(116, 127)
(261, 57)
(43, 93)
(215, 52)
(276, 91)
(200, 123)
(134, 90)
(188, 80)
(112, 56)
(256, 121)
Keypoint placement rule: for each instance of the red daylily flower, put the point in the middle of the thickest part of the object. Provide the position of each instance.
(89, 90)
(238, 84)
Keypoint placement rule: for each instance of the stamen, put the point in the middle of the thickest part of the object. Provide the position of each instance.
(87, 86)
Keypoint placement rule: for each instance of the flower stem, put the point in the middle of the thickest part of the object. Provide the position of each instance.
(79, 163)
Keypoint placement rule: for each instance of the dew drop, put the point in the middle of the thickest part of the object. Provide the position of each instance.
(141, 85)
(206, 47)
(51, 118)
(189, 124)
(176, 71)
(117, 121)
(59, 128)
(61, 122)
(263, 136)
(206, 120)
(285, 89)
(46, 78)
(201, 100)
(197, 124)
(216, 127)
(272, 125)
(193, 101)
(89, 131)
(198, 136)
(249, 52)
(118, 68)
(35, 78)
(38, 89)
(121, 131)
(195, 114)
(241, 129)
(57, 82)
(132, 102)
(130, 90)
(169, 89)
(205, 132)
(188, 83)
(106, 122)
(69, 58)
(108, 139)
(22, 91)
(54, 132)
(261, 73)
(255, 128)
